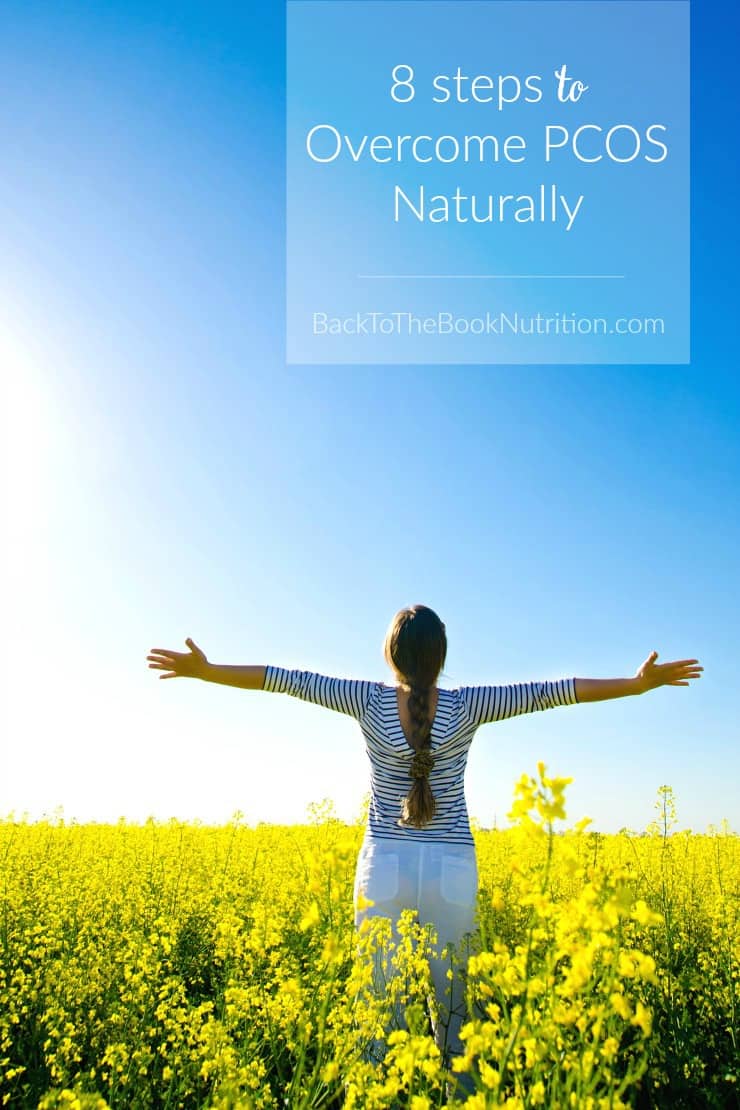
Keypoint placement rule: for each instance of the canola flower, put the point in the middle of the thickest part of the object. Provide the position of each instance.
(179, 965)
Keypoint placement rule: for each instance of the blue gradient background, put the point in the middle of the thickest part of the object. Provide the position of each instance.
(634, 219)
(167, 475)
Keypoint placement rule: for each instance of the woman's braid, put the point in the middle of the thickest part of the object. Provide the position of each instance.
(419, 805)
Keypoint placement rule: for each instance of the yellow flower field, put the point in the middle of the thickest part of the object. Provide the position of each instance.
(179, 965)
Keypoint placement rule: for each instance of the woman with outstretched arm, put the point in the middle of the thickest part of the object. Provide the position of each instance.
(418, 850)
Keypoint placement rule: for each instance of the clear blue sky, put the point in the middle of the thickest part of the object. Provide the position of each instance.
(171, 477)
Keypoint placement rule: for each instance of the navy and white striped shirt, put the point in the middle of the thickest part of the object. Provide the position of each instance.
(459, 713)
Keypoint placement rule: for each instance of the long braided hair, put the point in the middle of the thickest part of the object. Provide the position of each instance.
(416, 648)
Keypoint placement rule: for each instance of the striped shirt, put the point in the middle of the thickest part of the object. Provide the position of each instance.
(460, 711)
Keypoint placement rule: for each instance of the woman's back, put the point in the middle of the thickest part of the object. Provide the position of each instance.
(390, 757)
(459, 712)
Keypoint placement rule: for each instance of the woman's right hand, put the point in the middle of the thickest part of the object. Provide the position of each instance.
(651, 675)
(179, 664)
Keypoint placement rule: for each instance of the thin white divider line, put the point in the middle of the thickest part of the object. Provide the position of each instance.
(490, 277)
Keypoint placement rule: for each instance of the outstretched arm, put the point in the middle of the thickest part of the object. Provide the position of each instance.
(648, 677)
(193, 664)
(496, 703)
(345, 695)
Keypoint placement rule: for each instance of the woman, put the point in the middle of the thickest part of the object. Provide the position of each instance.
(418, 850)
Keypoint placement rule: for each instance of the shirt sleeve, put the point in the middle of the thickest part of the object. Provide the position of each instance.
(496, 703)
(345, 695)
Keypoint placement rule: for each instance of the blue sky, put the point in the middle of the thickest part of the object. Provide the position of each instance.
(171, 477)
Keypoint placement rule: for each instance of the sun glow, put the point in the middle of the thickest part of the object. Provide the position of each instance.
(27, 457)
(27, 589)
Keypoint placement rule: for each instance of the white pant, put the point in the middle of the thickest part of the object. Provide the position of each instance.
(440, 882)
